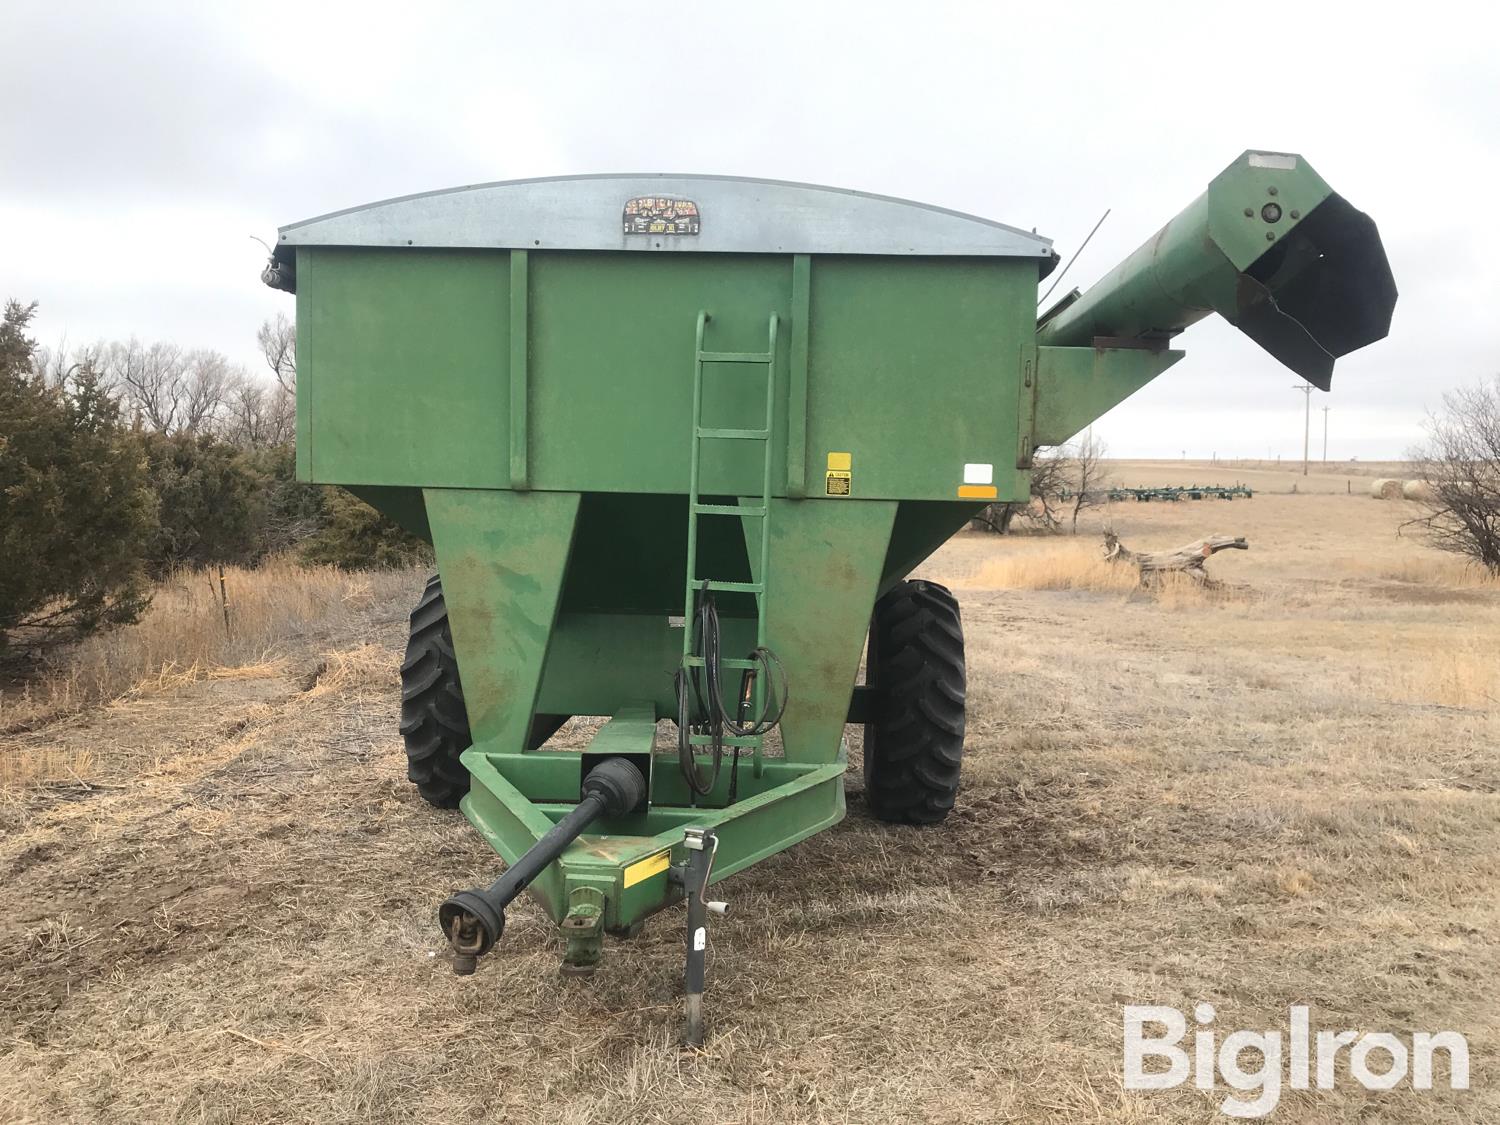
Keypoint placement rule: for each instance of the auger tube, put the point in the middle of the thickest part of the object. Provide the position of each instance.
(1271, 248)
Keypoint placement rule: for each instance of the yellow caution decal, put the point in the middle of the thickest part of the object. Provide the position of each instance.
(840, 478)
(645, 868)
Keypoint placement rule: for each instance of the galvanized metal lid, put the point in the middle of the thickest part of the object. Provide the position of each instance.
(703, 214)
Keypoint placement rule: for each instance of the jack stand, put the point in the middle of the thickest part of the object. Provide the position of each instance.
(584, 929)
(701, 844)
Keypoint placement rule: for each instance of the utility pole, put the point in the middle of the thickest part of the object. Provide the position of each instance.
(1306, 389)
(1326, 409)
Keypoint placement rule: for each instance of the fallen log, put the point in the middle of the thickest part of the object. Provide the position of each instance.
(1187, 559)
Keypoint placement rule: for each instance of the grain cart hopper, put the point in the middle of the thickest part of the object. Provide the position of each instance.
(677, 441)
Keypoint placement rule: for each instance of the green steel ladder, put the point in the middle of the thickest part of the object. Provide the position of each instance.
(762, 512)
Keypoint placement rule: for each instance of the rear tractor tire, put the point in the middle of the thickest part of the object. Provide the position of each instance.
(914, 743)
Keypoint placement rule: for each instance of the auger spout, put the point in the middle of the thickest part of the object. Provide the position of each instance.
(1271, 248)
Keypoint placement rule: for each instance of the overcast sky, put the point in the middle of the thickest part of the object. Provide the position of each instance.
(141, 145)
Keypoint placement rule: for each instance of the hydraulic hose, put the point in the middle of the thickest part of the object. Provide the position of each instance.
(709, 697)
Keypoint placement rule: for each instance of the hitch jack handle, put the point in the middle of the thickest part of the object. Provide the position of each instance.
(473, 920)
(702, 844)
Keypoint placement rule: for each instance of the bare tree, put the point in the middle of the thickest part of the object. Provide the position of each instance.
(1460, 462)
(59, 367)
(1088, 476)
(278, 343)
(168, 389)
(207, 383)
(258, 414)
(148, 380)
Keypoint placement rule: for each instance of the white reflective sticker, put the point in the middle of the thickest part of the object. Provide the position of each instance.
(700, 938)
(979, 474)
(1284, 161)
(676, 621)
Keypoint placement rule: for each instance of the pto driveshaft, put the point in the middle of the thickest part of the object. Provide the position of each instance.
(473, 920)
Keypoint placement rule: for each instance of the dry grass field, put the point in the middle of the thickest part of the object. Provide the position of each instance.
(217, 891)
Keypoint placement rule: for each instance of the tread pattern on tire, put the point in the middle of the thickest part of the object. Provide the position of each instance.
(434, 720)
(914, 745)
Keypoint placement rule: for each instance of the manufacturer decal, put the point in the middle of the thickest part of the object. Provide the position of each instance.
(655, 214)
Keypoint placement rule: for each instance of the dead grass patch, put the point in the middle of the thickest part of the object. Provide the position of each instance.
(59, 764)
(1467, 674)
(362, 666)
(182, 637)
(1440, 570)
(1053, 564)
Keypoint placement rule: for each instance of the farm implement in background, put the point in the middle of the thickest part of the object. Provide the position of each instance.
(1174, 492)
(677, 442)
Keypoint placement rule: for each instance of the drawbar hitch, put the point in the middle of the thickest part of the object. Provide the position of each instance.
(473, 921)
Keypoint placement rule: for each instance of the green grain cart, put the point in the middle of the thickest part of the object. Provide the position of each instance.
(678, 440)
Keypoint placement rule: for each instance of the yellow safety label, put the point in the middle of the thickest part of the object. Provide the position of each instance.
(977, 491)
(646, 868)
(839, 480)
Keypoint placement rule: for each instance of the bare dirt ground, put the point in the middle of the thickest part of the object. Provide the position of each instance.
(1285, 792)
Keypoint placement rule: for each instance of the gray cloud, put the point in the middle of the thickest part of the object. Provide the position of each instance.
(146, 143)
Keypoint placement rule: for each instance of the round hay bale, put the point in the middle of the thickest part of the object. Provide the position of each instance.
(1385, 489)
(1416, 490)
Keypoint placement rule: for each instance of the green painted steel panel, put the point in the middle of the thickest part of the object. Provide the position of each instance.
(826, 562)
(914, 368)
(402, 362)
(612, 342)
(1076, 385)
(599, 660)
(502, 556)
(413, 362)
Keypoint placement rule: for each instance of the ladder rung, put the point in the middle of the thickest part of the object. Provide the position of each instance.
(732, 587)
(727, 510)
(738, 663)
(730, 432)
(727, 740)
(736, 357)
